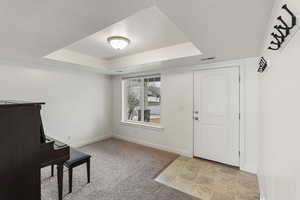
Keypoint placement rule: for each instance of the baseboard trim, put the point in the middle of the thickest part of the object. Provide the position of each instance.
(90, 141)
(248, 169)
(261, 185)
(155, 146)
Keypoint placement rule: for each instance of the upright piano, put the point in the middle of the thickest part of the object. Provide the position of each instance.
(24, 150)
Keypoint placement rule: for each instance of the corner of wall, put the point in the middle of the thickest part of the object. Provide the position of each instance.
(87, 141)
(152, 145)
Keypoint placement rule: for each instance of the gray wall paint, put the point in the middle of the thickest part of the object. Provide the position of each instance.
(177, 109)
(279, 106)
(78, 104)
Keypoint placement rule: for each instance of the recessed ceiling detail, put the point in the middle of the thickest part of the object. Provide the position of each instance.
(148, 35)
(76, 36)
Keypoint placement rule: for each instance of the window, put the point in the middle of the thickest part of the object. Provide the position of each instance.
(141, 99)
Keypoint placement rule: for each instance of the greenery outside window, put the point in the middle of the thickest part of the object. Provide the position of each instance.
(141, 99)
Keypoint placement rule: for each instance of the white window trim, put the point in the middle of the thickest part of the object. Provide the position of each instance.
(145, 125)
(141, 124)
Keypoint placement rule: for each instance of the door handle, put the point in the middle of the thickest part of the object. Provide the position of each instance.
(196, 118)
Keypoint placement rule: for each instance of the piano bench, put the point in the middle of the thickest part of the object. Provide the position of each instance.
(76, 158)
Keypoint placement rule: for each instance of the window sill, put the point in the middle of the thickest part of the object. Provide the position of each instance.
(142, 125)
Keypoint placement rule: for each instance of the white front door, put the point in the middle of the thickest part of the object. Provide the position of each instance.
(216, 115)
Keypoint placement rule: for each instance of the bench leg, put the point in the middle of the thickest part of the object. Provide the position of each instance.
(60, 174)
(70, 179)
(88, 167)
(52, 170)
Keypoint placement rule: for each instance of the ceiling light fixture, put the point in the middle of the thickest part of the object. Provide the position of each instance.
(118, 42)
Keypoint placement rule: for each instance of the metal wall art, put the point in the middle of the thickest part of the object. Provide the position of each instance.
(282, 30)
(262, 65)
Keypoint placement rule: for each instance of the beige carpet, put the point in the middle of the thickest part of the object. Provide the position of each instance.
(119, 171)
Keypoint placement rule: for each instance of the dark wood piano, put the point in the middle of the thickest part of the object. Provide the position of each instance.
(24, 150)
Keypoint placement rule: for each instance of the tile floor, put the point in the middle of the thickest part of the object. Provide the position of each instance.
(209, 180)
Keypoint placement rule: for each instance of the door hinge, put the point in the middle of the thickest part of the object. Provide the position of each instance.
(239, 78)
(239, 153)
(239, 116)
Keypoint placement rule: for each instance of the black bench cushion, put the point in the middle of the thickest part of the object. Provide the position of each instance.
(76, 158)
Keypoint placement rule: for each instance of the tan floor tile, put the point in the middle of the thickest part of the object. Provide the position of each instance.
(209, 171)
(178, 164)
(183, 185)
(222, 196)
(192, 168)
(224, 189)
(199, 163)
(225, 184)
(188, 174)
(229, 171)
(204, 180)
(247, 193)
(166, 178)
(248, 196)
(202, 191)
(247, 185)
(210, 180)
(183, 158)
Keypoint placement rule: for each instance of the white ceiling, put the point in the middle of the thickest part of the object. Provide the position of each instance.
(147, 29)
(154, 38)
(31, 29)
(226, 29)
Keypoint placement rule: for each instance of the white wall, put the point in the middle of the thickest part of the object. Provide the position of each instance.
(177, 112)
(78, 104)
(279, 105)
(249, 108)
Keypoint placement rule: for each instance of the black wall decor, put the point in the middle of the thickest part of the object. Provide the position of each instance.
(262, 65)
(282, 30)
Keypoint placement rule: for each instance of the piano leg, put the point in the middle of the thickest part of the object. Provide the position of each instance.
(52, 170)
(70, 179)
(88, 170)
(60, 174)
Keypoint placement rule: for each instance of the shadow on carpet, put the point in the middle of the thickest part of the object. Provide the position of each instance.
(119, 171)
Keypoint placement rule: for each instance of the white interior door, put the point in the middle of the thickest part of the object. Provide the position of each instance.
(216, 115)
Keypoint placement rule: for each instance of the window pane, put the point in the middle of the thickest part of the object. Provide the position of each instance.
(152, 99)
(134, 99)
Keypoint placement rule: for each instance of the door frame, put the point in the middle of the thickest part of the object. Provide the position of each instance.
(241, 108)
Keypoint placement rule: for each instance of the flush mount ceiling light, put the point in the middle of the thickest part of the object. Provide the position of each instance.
(118, 42)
